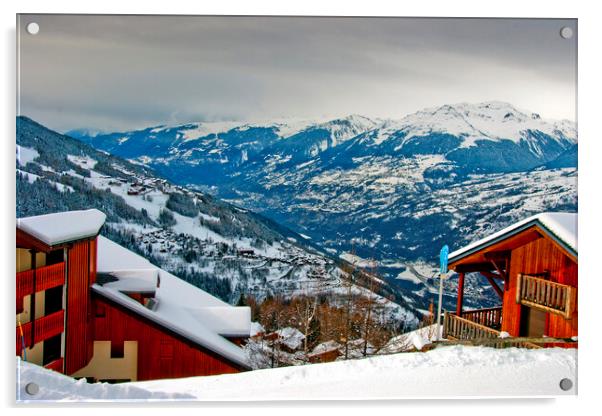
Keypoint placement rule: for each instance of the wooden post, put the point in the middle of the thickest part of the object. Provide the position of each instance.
(460, 294)
(445, 323)
(32, 303)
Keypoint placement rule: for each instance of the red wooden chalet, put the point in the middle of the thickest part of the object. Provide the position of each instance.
(88, 307)
(532, 267)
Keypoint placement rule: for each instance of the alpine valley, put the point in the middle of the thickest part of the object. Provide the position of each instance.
(351, 189)
(390, 190)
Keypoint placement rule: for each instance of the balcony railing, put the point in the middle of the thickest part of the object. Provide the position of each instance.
(546, 295)
(457, 328)
(51, 276)
(490, 317)
(47, 277)
(43, 328)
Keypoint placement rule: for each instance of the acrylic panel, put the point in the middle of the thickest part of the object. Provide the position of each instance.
(267, 208)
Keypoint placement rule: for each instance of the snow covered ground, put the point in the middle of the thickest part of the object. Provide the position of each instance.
(443, 372)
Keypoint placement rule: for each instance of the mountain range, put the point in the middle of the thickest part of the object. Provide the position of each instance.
(394, 190)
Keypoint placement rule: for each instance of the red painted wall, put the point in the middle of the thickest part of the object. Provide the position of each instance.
(161, 353)
(79, 336)
(536, 257)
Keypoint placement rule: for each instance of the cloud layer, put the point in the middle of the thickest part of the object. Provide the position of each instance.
(124, 72)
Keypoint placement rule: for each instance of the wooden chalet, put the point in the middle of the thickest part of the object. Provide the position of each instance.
(532, 267)
(325, 352)
(87, 307)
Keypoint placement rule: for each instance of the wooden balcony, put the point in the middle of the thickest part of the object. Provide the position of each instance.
(456, 327)
(51, 276)
(460, 328)
(543, 294)
(43, 328)
(490, 317)
(46, 277)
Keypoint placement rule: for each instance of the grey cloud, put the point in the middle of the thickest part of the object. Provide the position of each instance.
(114, 72)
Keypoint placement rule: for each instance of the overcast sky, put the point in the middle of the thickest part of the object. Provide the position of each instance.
(117, 73)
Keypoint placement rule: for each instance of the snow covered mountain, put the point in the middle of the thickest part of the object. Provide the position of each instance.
(394, 189)
(221, 248)
(491, 136)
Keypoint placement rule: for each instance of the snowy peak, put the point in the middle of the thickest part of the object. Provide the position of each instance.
(467, 134)
(493, 120)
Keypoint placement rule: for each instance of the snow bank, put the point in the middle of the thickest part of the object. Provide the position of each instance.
(63, 226)
(416, 339)
(55, 386)
(445, 371)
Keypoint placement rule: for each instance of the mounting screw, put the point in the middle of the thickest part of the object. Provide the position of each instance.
(32, 389)
(566, 32)
(566, 384)
(33, 28)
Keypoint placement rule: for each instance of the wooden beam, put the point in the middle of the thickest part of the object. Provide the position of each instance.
(473, 267)
(492, 275)
(460, 294)
(494, 285)
(502, 255)
(513, 340)
(499, 270)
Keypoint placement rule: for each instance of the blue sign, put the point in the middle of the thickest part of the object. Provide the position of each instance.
(443, 258)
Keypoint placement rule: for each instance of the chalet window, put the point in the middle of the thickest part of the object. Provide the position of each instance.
(117, 349)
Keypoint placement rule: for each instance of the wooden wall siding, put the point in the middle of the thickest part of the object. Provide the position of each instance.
(92, 255)
(161, 353)
(532, 258)
(79, 338)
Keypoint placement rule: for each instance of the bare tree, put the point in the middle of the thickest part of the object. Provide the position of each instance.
(305, 308)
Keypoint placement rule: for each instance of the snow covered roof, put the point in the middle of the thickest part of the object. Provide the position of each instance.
(560, 226)
(225, 320)
(181, 307)
(62, 227)
(326, 346)
(291, 337)
(133, 281)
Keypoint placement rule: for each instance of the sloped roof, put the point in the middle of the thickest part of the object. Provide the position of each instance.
(62, 227)
(182, 307)
(560, 226)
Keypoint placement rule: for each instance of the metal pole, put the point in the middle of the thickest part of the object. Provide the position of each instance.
(441, 277)
(443, 257)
